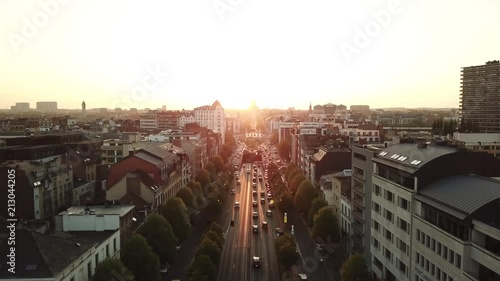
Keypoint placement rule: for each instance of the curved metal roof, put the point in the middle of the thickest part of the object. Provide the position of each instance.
(410, 154)
(460, 195)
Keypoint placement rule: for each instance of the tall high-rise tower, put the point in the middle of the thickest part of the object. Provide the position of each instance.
(84, 107)
(480, 97)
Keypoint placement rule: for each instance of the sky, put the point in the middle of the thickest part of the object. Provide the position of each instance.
(280, 53)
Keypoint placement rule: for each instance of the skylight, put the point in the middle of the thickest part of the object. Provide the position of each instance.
(395, 156)
(415, 162)
(383, 153)
(402, 158)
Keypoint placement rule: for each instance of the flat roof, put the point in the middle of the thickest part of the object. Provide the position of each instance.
(460, 195)
(99, 210)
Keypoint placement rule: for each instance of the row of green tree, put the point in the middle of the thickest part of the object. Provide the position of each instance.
(323, 222)
(143, 253)
(208, 255)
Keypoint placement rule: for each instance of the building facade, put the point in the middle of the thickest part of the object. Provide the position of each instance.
(480, 96)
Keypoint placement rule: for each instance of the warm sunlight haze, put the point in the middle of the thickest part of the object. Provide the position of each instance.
(280, 53)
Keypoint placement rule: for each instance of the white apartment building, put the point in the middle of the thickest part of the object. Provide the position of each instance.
(406, 179)
(209, 116)
(346, 217)
(489, 142)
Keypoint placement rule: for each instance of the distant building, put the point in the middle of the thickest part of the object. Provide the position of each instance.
(480, 96)
(22, 106)
(209, 116)
(480, 142)
(45, 106)
(361, 109)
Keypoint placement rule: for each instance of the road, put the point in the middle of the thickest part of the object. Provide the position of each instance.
(241, 244)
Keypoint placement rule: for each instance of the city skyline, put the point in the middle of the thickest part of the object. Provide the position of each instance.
(281, 55)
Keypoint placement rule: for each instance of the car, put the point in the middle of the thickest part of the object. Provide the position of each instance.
(263, 194)
(254, 193)
(302, 276)
(279, 231)
(262, 201)
(254, 203)
(256, 262)
(237, 205)
(232, 223)
(269, 213)
(239, 182)
(255, 228)
(254, 184)
(271, 204)
(233, 191)
(269, 196)
(264, 224)
(255, 215)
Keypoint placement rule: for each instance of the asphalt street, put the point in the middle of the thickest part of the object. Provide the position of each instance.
(242, 244)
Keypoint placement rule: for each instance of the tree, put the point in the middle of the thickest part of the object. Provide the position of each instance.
(292, 174)
(187, 196)
(218, 163)
(316, 205)
(176, 213)
(203, 265)
(109, 268)
(284, 149)
(224, 156)
(326, 225)
(304, 196)
(274, 138)
(355, 268)
(215, 227)
(209, 248)
(296, 181)
(197, 275)
(285, 203)
(160, 235)
(291, 166)
(203, 177)
(286, 250)
(210, 167)
(218, 239)
(138, 256)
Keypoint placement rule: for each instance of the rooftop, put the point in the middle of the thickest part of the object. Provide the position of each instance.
(460, 195)
(121, 210)
(412, 154)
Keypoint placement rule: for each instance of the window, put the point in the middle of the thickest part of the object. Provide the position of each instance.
(96, 259)
(404, 204)
(388, 235)
(115, 248)
(389, 196)
(376, 244)
(402, 266)
(387, 254)
(376, 189)
(89, 270)
(107, 251)
(418, 234)
(458, 262)
(389, 216)
(376, 207)
(376, 226)
(403, 225)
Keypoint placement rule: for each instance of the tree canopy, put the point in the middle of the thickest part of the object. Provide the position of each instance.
(176, 213)
(354, 269)
(112, 268)
(286, 250)
(284, 149)
(187, 196)
(138, 256)
(204, 265)
(316, 205)
(218, 239)
(203, 177)
(296, 181)
(304, 196)
(209, 248)
(218, 163)
(326, 225)
(159, 234)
